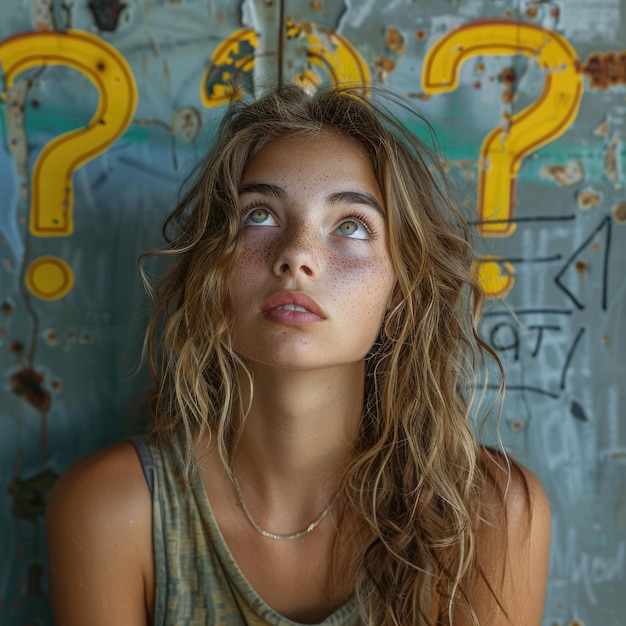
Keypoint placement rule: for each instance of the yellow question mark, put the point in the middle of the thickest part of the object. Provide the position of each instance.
(331, 52)
(535, 126)
(52, 198)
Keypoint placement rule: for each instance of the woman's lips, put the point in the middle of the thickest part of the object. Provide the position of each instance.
(293, 308)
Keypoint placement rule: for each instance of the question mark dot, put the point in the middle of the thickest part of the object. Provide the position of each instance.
(49, 278)
(496, 276)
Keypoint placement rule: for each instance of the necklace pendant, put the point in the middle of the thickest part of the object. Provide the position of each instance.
(269, 535)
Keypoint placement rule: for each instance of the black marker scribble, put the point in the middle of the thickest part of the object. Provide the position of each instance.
(540, 328)
(604, 224)
(529, 388)
(518, 220)
(570, 354)
(577, 411)
(520, 312)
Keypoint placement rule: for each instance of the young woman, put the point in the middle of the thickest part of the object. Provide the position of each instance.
(313, 457)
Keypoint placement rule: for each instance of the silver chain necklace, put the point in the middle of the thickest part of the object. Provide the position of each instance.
(266, 533)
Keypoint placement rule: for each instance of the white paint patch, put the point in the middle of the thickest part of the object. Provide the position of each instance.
(585, 21)
(589, 570)
(357, 15)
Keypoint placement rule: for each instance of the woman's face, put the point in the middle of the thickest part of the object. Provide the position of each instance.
(315, 277)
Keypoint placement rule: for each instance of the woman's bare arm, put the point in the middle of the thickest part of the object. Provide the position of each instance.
(99, 530)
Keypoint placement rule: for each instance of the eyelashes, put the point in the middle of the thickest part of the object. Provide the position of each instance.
(352, 225)
(362, 220)
(256, 214)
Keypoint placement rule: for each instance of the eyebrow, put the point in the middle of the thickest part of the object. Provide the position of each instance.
(339, 197)
(264, 189)
(356, 197)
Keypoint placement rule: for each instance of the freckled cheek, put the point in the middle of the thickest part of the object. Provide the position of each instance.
(247, 273)
(254, 258)
(361, 288)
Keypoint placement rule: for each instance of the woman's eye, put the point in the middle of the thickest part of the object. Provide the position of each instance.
(259, 217)
(353, 228)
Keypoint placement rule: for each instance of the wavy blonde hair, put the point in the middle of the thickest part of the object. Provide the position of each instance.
(415, 481)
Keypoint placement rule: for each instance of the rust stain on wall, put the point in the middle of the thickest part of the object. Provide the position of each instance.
(51, 337)
(588, 198)
(185, 124)
(619, 212)
(507, 78)
(16, 131)
(532, 12)
(395, 39)
(28, 384)
(41, 16)
(605, 70)
(29, 495)
(565, 174)
(383, 66)
(611, 164)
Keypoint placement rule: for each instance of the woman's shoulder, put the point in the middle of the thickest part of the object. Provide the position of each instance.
(513, 543)
(513, 485)
(108, 482)
(98, 523)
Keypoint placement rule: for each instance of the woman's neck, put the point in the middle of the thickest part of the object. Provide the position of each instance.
(299, 431)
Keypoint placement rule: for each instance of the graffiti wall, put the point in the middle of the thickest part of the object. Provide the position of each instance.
(106, 105)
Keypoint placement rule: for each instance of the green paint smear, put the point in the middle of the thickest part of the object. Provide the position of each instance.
(456, 147)
(57, 125)
(453, 145)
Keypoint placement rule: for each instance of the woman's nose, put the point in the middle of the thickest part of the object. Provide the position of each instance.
(297, 255)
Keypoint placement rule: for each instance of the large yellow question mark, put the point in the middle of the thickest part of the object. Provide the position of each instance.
(52, 198)
(535, 126)
(331, 52)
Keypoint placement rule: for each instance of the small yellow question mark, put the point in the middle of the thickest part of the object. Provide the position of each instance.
(330, 51)
(535, 126)
(52, 198)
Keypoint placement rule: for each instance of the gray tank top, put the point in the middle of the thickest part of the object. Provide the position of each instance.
(197, 580)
